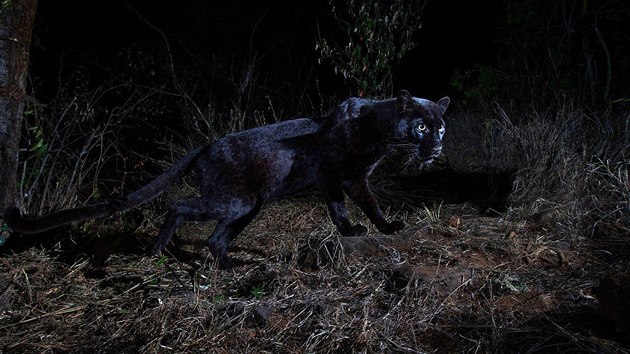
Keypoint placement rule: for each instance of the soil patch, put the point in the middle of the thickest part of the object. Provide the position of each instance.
(481, 283)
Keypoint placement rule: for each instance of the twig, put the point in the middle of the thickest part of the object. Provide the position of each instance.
(54, 313)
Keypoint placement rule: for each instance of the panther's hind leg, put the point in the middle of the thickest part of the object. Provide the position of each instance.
(228, 229)
(194, 209)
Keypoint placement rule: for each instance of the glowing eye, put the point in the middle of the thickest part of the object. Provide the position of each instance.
(442, 130)
(422, 128)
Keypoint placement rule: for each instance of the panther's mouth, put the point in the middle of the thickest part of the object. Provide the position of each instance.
(425, 159)
(428, 159)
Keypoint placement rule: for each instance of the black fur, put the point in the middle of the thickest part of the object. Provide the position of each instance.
(239, 172)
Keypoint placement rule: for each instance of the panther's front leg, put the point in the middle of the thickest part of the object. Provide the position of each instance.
(332, 191)
(358, 189)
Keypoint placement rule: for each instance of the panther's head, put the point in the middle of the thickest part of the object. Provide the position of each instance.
(421, 127)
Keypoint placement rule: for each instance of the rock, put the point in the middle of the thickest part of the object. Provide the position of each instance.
(261, 314)
(454, 221)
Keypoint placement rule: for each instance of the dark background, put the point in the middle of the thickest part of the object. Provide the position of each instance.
(211, 36)
(500, 48)
(538, 132)
(154, 78)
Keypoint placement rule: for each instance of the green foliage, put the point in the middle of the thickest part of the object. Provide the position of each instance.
(482, 83)
(96, 194)
(218, 299)
(258, 291)
(4, 5)
(154, 282)
(378, 35)
(161, 261)
(508, 281)
(38, 145)
(36, 140)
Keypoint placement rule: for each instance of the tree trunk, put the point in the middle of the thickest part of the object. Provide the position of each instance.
(16, 24)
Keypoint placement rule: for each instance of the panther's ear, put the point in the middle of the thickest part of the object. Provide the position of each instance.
(443, 103)
(404, 101)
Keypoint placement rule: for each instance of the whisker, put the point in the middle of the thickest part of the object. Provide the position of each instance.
(410, 159)
(408, 163)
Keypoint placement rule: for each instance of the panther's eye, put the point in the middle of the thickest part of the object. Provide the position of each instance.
(422, 128)
(442, 129)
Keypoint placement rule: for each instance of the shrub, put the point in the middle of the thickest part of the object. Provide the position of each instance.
(567, 161)
(378, 35)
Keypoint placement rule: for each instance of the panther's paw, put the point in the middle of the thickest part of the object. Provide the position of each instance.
(356, 230)
(392, 227)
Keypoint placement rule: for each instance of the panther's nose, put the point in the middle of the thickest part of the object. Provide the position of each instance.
(436, 151)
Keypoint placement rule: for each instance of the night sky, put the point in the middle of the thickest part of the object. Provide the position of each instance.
(280, 35)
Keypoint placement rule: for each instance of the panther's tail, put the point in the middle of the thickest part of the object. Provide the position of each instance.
(18, 223)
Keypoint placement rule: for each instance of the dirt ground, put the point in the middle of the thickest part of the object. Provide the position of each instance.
(453, 281)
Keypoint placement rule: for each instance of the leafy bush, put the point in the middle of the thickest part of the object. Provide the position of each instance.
(377, 36)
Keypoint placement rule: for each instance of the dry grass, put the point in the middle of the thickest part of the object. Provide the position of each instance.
(488, 285)
(567, 161)
(518, 282)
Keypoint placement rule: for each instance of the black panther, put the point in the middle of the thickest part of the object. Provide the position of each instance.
(239, 172)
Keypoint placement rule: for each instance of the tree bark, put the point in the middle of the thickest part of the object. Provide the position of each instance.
(16, 24)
